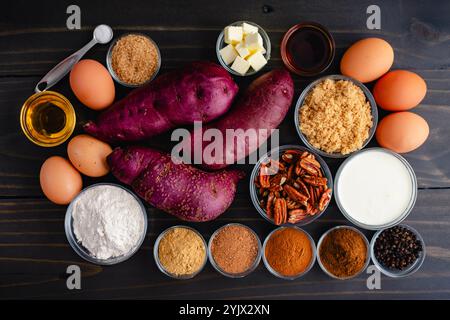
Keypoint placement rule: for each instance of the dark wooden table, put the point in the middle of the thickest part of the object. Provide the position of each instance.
(34, 252)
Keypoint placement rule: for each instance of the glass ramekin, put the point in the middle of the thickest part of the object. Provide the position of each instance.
(304, 94)
(366, 264)
(158, 262)
(392, 223)
(81, 250)
(275, 273)
(398, 273)
(234, 275)
(254, 191)
(221, 43)
(111, 69)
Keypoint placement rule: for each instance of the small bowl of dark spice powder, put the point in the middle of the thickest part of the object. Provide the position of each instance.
(289, 252)
(234, 250)
(343, 252)
(133, 59)
(398, 251)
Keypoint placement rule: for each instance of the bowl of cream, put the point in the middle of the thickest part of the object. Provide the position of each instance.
(375, 188)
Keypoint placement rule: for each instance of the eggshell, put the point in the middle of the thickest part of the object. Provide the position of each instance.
(59, 180)
(88, 155)
(399, 90)
(402, 131)
(92, 84)
(367, 59)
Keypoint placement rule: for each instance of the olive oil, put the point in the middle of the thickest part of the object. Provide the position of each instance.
(47, 118)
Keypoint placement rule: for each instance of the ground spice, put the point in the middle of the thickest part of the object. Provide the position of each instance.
(336, 117)
(181, 251)
(234, 249)
(343, 252)
(288, 251)
(134, 59)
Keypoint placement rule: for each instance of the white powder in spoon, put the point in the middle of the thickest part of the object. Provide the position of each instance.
(107, 221)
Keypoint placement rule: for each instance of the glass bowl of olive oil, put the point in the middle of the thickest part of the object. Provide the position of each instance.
(47, 118)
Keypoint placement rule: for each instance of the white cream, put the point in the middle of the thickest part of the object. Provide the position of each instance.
(375, 187)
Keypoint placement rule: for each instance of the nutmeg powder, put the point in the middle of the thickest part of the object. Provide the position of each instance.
(234, 249)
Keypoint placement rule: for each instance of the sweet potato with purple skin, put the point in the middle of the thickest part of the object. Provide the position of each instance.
(201, 91)
(180, 189)
(263, 105)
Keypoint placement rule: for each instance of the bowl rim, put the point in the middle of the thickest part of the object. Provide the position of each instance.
(111, 69)
(218, 268)
(401, 217)
(403, 273)
(303, 25)
(304, 94)
(81, 250)
(368, 254)
(158, 262)
(220, 44)
(253, 191)
(275, 273)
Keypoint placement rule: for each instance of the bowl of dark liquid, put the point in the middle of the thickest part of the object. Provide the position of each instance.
(307, 49)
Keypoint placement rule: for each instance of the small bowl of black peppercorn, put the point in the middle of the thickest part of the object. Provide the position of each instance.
(398, 251)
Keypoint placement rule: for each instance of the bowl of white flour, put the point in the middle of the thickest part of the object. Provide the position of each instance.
(106, 224)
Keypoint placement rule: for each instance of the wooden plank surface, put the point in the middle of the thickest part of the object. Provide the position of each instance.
(34, 252)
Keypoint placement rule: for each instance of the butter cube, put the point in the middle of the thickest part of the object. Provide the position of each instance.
(242, 50)
(240, 65)
(228, 54)
(233, 35)
(248, 28)
(257, 61)
(254, 42)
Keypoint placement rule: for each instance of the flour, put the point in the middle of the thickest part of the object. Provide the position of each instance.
(107, 221)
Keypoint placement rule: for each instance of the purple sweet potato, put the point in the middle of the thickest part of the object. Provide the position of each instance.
(262, 107)
(201, 91)
(180, 189)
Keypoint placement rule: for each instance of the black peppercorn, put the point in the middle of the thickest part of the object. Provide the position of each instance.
(397, 248)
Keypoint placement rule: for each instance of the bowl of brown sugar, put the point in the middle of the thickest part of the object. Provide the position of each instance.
(336, 116)
(133, 59)
(234, 250)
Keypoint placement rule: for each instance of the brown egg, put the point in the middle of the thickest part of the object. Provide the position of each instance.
(399, 90)
(59, 180)
(92, 84)
(367, 59)
(88, 155)
(402, 131)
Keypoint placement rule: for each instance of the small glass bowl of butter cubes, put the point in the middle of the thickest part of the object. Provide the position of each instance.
(243, 48)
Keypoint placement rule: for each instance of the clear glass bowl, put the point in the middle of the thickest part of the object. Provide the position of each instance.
(366, 264)
(387, 225)
(234, 275)
(304, 94)
(81, 250)
(254, 191)
(275, 273)
(158, 262)
(221, 43)
(399, 273)
(113, 73)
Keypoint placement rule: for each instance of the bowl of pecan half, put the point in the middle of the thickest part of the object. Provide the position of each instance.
(291, 185)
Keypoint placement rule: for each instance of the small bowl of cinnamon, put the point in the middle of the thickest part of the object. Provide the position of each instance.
(133, 59)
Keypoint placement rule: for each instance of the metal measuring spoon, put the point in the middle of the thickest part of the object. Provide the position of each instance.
(102, 34)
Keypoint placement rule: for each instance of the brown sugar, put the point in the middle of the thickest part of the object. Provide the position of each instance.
(336, 117)
(134, 59)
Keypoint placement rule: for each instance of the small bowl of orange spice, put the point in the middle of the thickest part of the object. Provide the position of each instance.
(289, 252)
(133, 59)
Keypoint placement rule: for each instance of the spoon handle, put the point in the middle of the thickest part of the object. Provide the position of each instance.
(62, 68)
